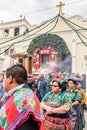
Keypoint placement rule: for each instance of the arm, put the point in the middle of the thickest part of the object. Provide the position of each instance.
(75, 103)
(78, 99)
(61, 110)
(50, 110)
(66, 105)
(45, 107)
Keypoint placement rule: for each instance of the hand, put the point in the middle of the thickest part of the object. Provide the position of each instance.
(49, 110)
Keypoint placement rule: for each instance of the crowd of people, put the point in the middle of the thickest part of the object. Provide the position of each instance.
(55, 101)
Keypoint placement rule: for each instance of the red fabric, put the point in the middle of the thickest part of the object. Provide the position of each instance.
(38, 109)
(18, 109)
(9, 107)
(37, 102)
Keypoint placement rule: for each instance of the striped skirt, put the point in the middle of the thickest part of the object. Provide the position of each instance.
(56, 123)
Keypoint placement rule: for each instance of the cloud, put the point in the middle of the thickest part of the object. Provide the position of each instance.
(12, 9)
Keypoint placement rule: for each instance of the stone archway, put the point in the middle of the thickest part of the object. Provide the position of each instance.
(52, 40)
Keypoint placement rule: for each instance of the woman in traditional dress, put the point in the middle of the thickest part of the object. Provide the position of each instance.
(56, 105)
(76, 100)
(82, 104)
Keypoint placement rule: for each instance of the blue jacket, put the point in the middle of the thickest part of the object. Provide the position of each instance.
(42, 89)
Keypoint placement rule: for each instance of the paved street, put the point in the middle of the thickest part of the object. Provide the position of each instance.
(86, 120)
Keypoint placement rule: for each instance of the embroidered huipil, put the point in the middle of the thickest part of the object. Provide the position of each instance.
(18, 108)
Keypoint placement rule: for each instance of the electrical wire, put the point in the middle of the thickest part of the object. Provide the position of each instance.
(75, 2)
(45, 9)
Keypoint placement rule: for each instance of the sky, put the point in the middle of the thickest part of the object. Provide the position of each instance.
(37, 11)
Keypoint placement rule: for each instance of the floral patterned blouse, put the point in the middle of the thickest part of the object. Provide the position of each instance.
(75, 95)
(56, 101)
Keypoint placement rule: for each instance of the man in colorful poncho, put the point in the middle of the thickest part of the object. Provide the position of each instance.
(21, 108)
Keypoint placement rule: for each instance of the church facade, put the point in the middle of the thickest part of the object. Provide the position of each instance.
(56, 48)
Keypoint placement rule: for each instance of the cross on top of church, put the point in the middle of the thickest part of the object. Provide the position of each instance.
(60, 7)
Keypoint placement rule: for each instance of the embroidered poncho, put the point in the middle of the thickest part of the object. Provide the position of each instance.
(18, 108)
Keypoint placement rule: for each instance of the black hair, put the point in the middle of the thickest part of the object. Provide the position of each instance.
(62, 84)
(18, 72)
(78, 82)
(72, 79)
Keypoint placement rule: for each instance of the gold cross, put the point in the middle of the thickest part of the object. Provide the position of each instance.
(60, 7)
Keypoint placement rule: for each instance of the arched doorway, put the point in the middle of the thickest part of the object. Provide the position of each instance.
(50, 49)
